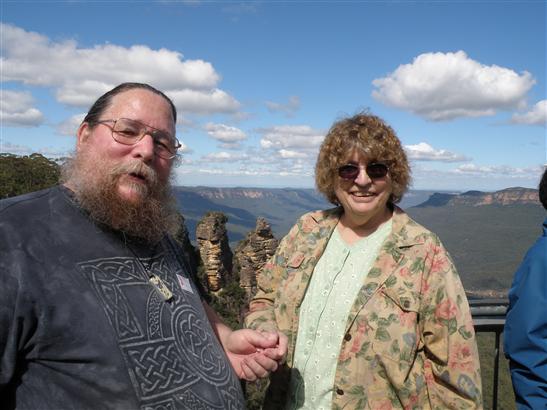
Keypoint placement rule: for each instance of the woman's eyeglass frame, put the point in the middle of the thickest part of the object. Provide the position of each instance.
(375, 170)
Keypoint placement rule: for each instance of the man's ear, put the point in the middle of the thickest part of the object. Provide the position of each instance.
(82, 135)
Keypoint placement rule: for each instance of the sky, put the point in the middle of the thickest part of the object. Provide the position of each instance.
(257, 84)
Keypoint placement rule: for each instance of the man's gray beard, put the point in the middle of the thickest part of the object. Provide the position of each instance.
(95, 185)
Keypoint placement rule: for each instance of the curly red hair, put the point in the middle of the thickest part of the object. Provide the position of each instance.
(370, 136)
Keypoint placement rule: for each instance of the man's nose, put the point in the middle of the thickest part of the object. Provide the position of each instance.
(144, 148)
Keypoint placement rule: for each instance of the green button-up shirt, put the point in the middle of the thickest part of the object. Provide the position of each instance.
(323, 315)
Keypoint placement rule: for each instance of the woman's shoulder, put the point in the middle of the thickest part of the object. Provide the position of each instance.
(319, 222)
(406, 227)
(320, 217)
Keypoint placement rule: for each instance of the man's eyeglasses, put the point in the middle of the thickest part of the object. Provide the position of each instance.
(375, 170)
(129, 132)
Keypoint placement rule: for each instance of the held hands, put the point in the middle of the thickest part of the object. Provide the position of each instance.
(255, 354)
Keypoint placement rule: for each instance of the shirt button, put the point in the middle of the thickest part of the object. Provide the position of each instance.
(347, 337)
(340, 392)
(406, 304)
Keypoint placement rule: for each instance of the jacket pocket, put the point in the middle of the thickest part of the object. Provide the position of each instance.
(396, 336)
(295, 260)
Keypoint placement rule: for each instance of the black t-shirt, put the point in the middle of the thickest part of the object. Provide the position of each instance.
(81, 326)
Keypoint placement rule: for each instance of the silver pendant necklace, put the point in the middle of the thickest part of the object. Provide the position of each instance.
(157, 283)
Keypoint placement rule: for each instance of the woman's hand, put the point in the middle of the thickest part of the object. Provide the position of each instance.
(255, 354)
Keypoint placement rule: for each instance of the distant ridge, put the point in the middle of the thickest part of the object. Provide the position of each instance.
(508, 196)
(486, 233)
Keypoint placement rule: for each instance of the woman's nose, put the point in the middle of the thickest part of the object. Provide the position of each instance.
(362, 178)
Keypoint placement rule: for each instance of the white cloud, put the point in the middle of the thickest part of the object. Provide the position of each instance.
(48, 152)
(80, 75)
(505, 171)
(291, 136)
(536, 116)
(70, 126)
(425, 152)
(204, 102)
(444, 86)
(288, 109)
(16, 109)
(15, 149)
(285, 153)
(224, 157)
(224, 133)
(184, 149)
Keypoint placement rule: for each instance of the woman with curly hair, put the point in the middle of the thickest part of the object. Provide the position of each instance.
(374, 310)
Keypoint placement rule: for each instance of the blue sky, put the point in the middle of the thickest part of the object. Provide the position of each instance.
(258, 84)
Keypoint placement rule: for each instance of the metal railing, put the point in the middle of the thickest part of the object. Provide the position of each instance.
(489, 316)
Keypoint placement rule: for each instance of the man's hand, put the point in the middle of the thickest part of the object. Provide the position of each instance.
(255, 354)
(252, 354)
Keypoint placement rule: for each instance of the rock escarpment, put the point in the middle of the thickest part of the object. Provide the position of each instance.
(509, 196)
(252, 253)
(215, 252)
(182, 238)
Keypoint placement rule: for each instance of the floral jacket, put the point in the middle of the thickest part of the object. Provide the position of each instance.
(409, 340)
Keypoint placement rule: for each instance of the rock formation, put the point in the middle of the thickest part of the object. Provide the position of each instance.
(509, 196)
(182, 238)
(252, 253)
(214, 249)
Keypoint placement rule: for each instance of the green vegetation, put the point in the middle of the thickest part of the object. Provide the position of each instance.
(228, 303)
(506, 398)
(22, 174)
(487, 242)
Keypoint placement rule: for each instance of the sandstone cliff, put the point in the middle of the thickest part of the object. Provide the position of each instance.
(509, 196)
(214, 249)
(252, 253)
(183, 240)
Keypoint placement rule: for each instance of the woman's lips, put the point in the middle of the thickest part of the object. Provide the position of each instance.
(362, 194)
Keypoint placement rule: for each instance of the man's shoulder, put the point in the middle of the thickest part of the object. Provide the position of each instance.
(26, 202)
(537, 253)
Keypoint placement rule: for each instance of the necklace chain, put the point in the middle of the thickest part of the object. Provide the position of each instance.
(157, 283)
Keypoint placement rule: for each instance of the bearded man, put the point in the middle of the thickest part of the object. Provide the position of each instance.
(98, 306)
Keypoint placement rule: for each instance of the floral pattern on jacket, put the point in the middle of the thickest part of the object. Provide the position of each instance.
(409, 341)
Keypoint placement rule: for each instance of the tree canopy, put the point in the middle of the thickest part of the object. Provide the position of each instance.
(22, 174)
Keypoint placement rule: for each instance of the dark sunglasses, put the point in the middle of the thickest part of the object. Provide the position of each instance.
(374, 170)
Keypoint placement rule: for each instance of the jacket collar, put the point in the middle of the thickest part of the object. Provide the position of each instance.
(404, 233)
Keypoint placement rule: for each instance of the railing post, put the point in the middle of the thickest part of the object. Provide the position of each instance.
(496, 371)
(489, 316)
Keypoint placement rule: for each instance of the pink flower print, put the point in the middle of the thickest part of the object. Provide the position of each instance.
(362, 329)
(428, 374)
(384, 405)
(412, 401)
(446, 310)
(404, 272)
(407, 319)
(460, 357)
(308, 224)
(436, 259)
(425, 286)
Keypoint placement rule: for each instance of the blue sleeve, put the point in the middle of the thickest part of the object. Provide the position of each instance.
(525, 338)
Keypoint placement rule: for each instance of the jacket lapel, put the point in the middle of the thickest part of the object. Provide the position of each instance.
(390, 257)
(317, 229)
